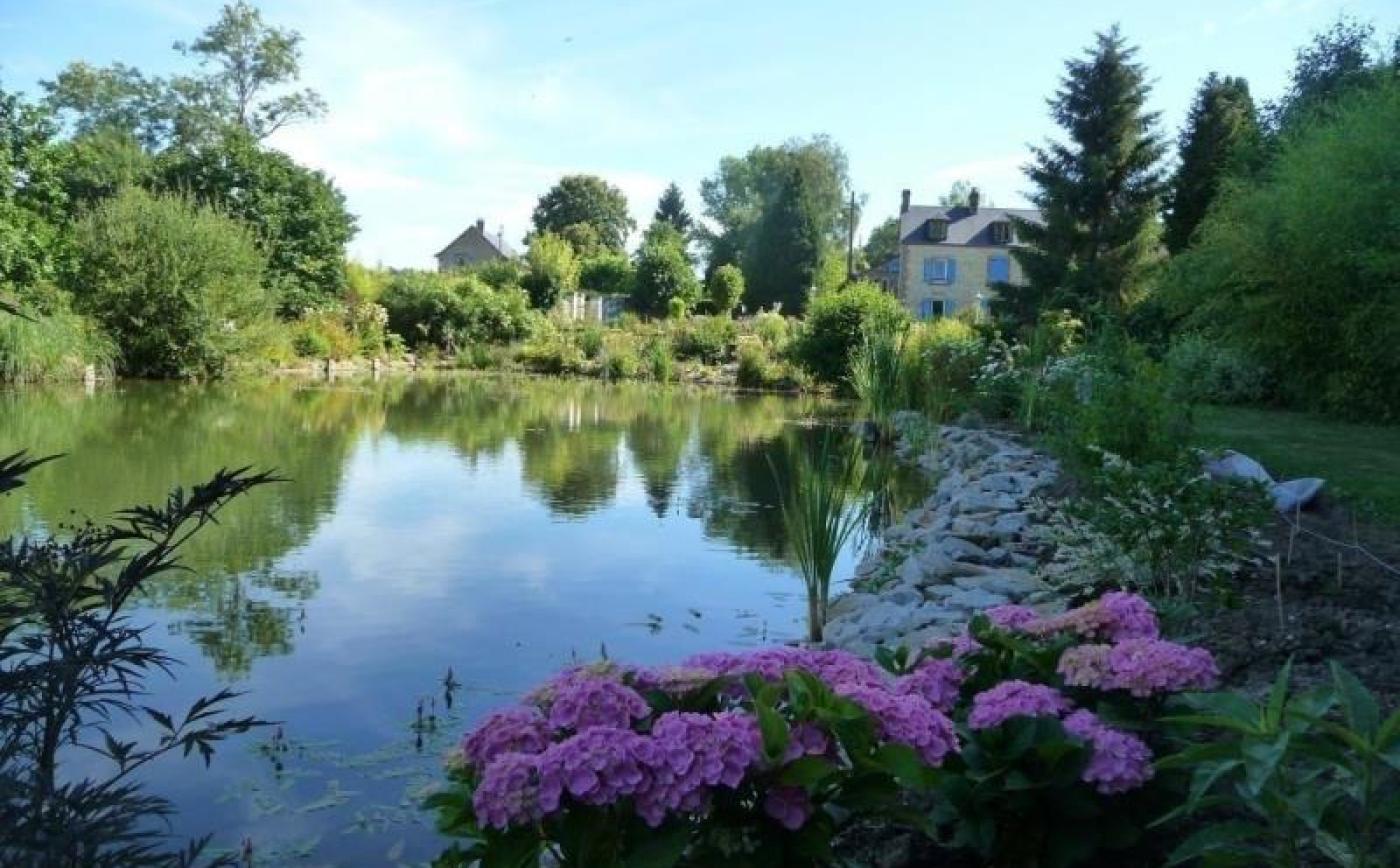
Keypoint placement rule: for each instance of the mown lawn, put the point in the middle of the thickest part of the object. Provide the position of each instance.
(1361, 463)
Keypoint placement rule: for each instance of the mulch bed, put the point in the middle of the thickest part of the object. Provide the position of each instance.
(1337, 604)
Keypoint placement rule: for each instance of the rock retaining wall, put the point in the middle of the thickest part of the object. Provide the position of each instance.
(978, 541)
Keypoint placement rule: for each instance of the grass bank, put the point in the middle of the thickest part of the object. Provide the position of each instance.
(1361, 463)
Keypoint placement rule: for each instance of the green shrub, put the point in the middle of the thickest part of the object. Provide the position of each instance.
(773, 329)
(1206, 370)
(836, 324)
(451, 311)
(1165, 528)
(590, 339)
(709, 339)
(725, 288)
(322, 333)
(1108, 398)
(942, 360)
(1308, 778)
(607, 272)
(622, 364)
(1299, 268)
(877, 374)
(172, 282)
(553, 270)
(50, 347)
(552, 351)
(501, 273)
(658, 360)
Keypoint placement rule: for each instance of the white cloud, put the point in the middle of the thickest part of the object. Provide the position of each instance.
(429, 123)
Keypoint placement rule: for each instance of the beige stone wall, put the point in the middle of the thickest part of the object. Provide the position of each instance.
(471, 247)
(971, 275)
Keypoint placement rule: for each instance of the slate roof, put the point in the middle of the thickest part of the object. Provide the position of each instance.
(501, 245)
(965, 228)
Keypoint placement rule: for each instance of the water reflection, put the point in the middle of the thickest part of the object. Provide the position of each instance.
(495, 526)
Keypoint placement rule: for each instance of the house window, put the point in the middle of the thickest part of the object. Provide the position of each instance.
(939, 269)
(461, 260)
(938, 229)
(998, 269)
(892, 266)
(1001, 232)
(932, 308)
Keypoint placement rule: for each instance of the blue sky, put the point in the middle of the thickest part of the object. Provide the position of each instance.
(443, 111)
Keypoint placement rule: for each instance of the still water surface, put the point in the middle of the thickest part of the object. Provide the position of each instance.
(502, 528)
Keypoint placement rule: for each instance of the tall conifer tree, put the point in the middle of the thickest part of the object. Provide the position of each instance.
(671, 209)
(1221, 138)
(1098, 191)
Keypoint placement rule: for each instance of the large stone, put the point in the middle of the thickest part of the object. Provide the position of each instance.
(1010, 525)
(903, 595)
(1008, 582)
(959, 549)
(849, 604)
(971, 599)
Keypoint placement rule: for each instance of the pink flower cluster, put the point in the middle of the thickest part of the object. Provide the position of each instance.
(1120, 761)
(1115, 616)
(692, 753)
(1143, 667)
(833, 667)
(906, 719)
(936, 681)
(996, 705)
(510, 730)
(585, 702)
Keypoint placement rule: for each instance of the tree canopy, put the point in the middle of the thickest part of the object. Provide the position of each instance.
(883, 243)
(585, 201)
(1220, 137)
(670, 208)
(1097, 192)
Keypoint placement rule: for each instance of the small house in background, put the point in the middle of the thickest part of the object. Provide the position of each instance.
(592, 307)
(955, 259)
(474, 247)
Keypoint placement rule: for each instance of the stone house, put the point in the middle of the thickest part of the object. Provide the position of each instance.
(474, 247)
(953, 259)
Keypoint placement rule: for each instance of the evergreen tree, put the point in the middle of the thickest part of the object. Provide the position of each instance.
(671, 209)
(1098, 193)
(788, 247)
(1220, 137)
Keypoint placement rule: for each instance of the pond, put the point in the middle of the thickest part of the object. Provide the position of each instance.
(496, 528)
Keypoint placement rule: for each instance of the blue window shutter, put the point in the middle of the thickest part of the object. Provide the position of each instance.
(929, 263)
(926, 309)
(952, 270)
(998, 269)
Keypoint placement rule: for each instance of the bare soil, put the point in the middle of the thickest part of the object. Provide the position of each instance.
(1337, 603)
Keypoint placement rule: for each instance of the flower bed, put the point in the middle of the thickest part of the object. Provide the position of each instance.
(1026, 735)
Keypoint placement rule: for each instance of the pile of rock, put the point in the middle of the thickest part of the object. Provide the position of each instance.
(978, 541)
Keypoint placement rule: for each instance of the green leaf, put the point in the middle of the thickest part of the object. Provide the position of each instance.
(806, 772)
(1335, 849)
(1204, 778)
(516, 848)
(774, 730)
(1261, 760)
(1278, 694)
(1362, 713)
(905, 765)
(659, 848)
(1221, 836)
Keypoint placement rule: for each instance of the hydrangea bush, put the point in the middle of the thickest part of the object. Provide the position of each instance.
(1026, 740)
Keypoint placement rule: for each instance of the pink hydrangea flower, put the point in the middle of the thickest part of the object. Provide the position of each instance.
(830, 665)
(1012, 616)
(1143, 667)
(908, 720)
(598, 766)
(509, 791)
(1119, 762)
(789, 806)
(689, 754)
(510, 730)
(1115, 616)
(806, 739)
(996, 705)
(936, 680)
(587, 702)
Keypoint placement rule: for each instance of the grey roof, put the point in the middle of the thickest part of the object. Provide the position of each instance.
(501, 245)
(965, 228)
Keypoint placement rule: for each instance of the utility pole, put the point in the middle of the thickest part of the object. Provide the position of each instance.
(851, 239)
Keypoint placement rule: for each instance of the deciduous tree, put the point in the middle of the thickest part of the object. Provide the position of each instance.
(589, 200)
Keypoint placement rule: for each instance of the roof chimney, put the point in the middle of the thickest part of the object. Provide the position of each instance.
(481, 226)
(973, 199)
(904, 201)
